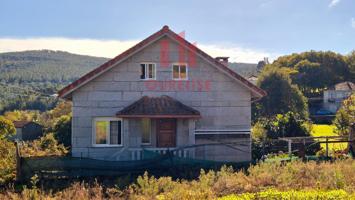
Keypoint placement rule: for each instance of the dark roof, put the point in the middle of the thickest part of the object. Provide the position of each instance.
(164, 31)
(345, 86)
(20, 124)
(158, 107)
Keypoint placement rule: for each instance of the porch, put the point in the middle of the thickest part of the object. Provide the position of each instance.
(158, 126)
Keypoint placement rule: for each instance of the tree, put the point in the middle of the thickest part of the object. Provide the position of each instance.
(282, 125)
(350, 59)
(7, 128)
(315, 71)
(345, 116)
(282, 96)
(62, 130)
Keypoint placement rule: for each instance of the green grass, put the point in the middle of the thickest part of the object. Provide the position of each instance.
(319, 130)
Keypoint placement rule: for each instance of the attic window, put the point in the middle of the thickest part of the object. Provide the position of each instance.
(180, 72)
(148, 71)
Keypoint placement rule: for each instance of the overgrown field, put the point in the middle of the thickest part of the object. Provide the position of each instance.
(294, 180)
(319, 130)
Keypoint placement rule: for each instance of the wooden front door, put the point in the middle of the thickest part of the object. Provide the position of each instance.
(166, 133)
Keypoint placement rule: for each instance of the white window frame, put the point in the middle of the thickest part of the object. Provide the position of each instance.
(180, 64)
(150, 134)
(109, 119)
(146, 66)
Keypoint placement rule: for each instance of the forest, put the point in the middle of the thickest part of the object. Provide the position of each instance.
(29, 80)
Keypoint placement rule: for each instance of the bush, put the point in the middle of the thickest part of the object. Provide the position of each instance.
(7, 161)
(62, 130)
(44, 146)
(264, 180)
(287, 125)
(345, 116)
(292, 194)
(7, 128)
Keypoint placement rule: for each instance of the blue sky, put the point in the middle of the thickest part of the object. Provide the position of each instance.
(248, 30)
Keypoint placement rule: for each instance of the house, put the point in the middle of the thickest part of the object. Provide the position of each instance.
(27, 130)
(333, 97)
(162, 94)
(253, 79)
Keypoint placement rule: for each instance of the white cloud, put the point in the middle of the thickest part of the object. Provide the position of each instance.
(102, 48)
(111, 48)
(353, 22)
(333, 3)
(237, 54)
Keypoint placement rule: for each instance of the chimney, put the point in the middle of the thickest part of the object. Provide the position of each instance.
(223, 60)
(266, 60)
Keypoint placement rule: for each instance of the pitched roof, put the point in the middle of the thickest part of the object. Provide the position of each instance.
(345, 86)
(20, 124)
(157, 107)
(64, 93)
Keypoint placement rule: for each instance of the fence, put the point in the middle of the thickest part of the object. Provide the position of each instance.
(187, 158)
(152, 160)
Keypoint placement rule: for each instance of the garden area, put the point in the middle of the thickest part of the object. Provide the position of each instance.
(292, 180)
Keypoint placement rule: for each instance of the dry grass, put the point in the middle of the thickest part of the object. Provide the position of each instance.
(295, 176)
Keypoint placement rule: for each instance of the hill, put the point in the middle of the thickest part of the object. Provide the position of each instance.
(28, 79)
(244, 69)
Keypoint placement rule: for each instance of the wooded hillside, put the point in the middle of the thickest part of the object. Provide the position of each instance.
(29, 78)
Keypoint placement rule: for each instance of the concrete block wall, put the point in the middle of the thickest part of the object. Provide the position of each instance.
(222, 101)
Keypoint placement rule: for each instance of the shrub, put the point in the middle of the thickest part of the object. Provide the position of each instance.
(62, 130)
(7, 161)
(44, 146)
(7, 128)
(345, 116)
(286, 125)
(292, 180)
(292, 194)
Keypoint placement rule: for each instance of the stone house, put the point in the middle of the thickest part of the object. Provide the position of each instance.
(27, 130)
(333, 97)
(162, 94)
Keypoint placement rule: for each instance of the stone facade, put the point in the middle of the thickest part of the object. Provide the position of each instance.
(223, 102)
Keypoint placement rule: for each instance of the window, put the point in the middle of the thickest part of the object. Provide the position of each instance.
(148, 71)
(179, 72)
(146, 129)
(107, 132)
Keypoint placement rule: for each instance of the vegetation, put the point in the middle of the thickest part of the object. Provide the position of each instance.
(345, 116)
(282, 96)
(265, 130)
(315, 71)
(319, 130)
(7, 128)
(7, 161)
(29, 79)
(269, 179)
(44, 146)
(292, 194)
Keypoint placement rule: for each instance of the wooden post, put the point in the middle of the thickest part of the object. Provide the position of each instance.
(18, 163)
(326, 147)
(351, 144)
(289, 147)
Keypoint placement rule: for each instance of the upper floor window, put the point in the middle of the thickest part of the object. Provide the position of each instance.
(179, 71)
(148, 71)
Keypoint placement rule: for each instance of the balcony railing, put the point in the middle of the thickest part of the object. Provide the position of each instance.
(137, 153)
